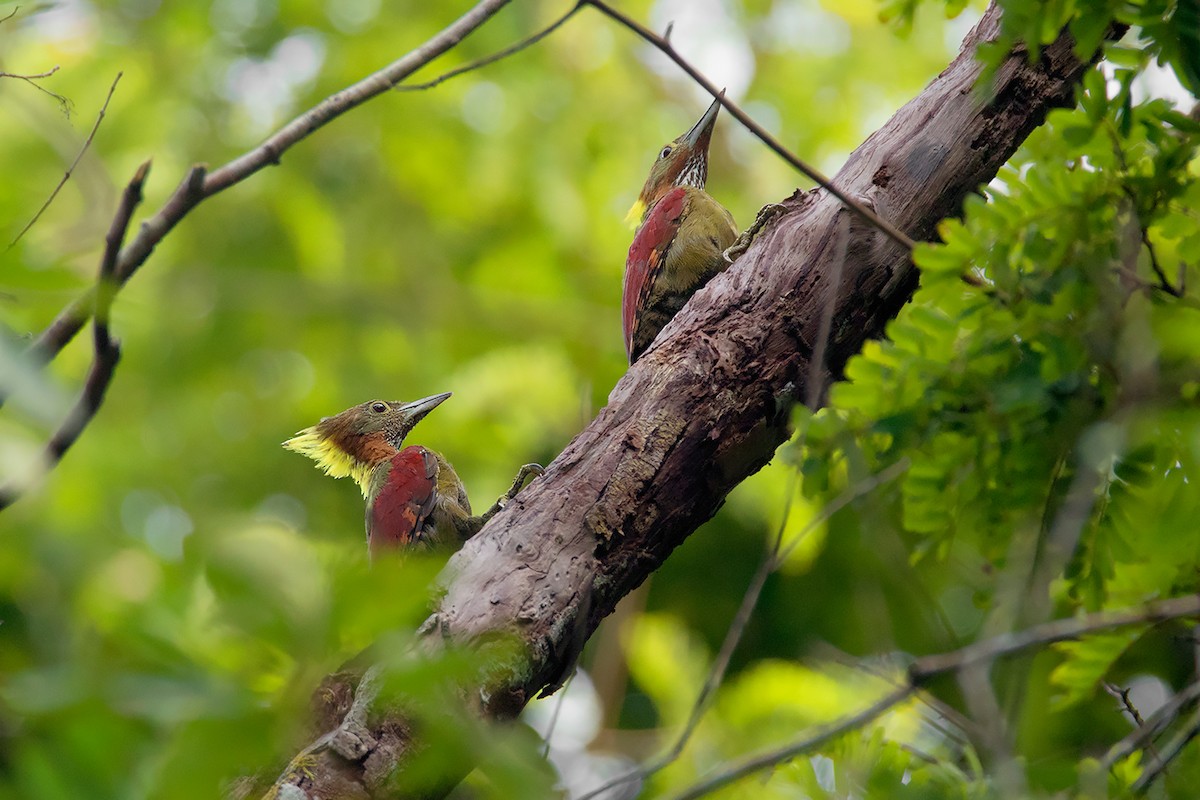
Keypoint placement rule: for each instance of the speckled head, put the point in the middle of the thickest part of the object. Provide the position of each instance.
(362, 436)
(683, 162)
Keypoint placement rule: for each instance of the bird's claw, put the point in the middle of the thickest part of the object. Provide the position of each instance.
(742, 243)
(518, 483)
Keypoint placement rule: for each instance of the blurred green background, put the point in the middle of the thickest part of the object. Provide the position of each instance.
(171, 594)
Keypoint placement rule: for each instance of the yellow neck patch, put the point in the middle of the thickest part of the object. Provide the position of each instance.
(336, 462)
(634, 217)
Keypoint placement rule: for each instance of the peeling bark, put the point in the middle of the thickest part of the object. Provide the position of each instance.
(708, 404)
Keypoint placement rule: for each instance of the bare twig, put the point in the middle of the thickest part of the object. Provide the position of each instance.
(816, 366)
(1061, 630)
(499, 55)
(107, 352)
(664, 44)
(1163, 284)
(190, 192)
(33, 78)
(1173, 749)
(869, 484)
(775, 556)
(824, 734)
(10, 14)
(1143, 736)
(926, 668)
(1126, 702)
(716, 674)
(67, 175)
(772, 559)
(553, 723)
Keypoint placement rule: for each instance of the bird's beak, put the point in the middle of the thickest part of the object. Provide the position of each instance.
(701, 132)
(417, 409)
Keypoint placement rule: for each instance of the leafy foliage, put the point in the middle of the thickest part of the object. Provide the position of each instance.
(175, 590)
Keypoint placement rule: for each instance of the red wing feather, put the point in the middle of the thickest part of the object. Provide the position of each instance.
(646, 256)
(404, 502)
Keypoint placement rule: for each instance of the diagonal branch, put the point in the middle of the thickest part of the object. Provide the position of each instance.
(774, 558)
(199, 185)
(120, 263)
(1142, 737)
(927, 668)
(664, 44)
(32, 79)
(106, 351)
(710, 401)
(499, 55)
(71, 169)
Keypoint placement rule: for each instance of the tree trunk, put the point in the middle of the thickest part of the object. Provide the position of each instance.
(709, 403)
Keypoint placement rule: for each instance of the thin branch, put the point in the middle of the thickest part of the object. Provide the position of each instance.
(10, 14)
(1143, 736)
(71, 169)
(774, 558)
(1126, 702)
(716, 674)
(107, 352)
(72, 318)
(500, 55)
(869, 484)
(824, 734)
(106, 287)
(816, 366)
(664, 44)
(1163, 284)
(1169, 753)
(1060, 630)
(926, 668)
(558, 704)
(33, 78)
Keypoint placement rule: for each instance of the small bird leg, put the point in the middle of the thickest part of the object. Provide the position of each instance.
(742, 243)
(517, 484)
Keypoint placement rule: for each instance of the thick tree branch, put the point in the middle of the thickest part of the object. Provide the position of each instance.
(709, 402)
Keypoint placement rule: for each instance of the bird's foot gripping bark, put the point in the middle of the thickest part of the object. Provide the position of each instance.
(523, 474)
(518, 483)
(742, 243)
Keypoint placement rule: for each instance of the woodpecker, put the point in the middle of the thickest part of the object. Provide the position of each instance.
(681, 238)
(414, 497)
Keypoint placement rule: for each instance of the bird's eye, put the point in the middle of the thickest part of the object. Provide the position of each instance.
(666, 151)
(379, 407)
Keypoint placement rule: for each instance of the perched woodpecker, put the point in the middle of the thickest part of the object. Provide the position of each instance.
(681, 239)
(414, 497)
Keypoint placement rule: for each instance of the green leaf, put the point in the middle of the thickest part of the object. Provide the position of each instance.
(1086, 662)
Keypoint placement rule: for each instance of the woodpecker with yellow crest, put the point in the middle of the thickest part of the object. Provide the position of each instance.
(681, 238)
(414, 497)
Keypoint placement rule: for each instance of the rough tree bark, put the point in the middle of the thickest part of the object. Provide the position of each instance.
(708, 404)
